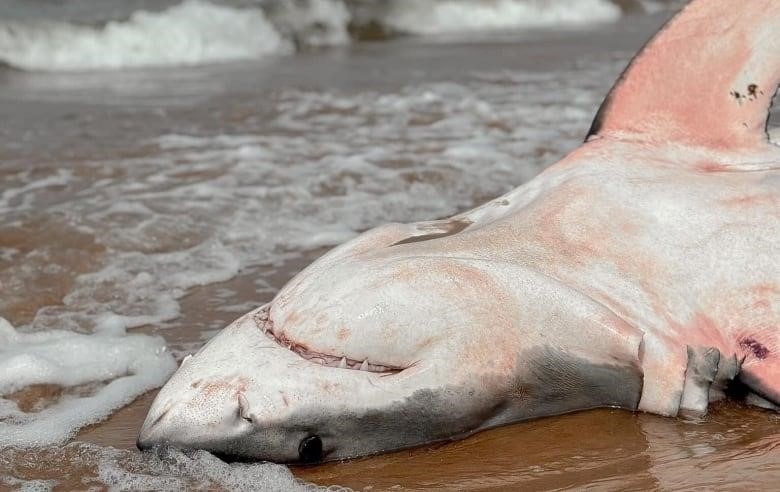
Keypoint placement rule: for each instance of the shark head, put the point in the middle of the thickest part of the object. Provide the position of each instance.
(379, 346)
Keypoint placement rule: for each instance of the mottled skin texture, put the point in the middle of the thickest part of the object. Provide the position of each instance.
(640, 272)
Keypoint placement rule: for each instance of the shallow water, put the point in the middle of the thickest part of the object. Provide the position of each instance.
(170, 202)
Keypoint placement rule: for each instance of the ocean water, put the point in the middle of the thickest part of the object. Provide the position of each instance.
(109, 34)
(144, 203)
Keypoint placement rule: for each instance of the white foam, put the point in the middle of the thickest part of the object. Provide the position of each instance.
(313, 22)
(193, 32)
(7, 254)
(774, 135)
(16, 198)
(165, 469)
(178, 471)
(656, 6)
(29, 485)
(452, 16)
(129, 364)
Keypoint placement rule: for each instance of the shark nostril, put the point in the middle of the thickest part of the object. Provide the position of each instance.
(158, 419)
(310, 450)
(243, 408)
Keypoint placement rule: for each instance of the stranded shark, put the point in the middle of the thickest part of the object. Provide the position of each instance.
(641, 272)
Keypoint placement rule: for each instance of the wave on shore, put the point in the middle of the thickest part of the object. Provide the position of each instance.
(193, 32)
(451, 16)
(197, 31)
(47, 392)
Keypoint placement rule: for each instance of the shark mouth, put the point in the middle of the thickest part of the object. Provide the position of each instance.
(266, 325)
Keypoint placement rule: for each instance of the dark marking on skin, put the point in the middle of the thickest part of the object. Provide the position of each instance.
(755, 347)
(450, 228)
(738, 96)
(751, 94)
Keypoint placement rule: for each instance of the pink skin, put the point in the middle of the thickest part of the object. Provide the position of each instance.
(653, 246)
(722, 88)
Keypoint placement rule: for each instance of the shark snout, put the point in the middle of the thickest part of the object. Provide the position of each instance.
(271, 389)
(200, 406)
(153, 431)
(195, 417)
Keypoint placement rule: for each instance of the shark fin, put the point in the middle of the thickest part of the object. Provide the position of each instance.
(706, 79)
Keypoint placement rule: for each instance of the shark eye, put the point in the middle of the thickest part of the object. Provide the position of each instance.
(310, 449)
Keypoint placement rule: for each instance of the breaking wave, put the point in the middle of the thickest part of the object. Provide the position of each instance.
(414, 17)
(197, 32)
(121, 367)
(190, 33)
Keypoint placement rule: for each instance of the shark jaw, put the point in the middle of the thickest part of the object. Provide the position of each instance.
(279, 377)
(247, 396)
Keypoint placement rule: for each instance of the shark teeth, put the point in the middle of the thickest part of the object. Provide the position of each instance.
(265, 324)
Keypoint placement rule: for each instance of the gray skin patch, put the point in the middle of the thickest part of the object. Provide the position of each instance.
(559, 382)
(701, 371)
(757, 401)
(759, 388)
(549, 382)
(728, 368)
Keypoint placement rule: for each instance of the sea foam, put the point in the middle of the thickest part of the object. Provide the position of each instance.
(451, 16)
(190, 33)
(164, 469)
(123, 365)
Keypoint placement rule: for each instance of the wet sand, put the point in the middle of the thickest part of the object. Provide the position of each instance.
(733, 448)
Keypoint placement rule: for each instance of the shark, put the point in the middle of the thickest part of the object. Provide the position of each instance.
(642, 272)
